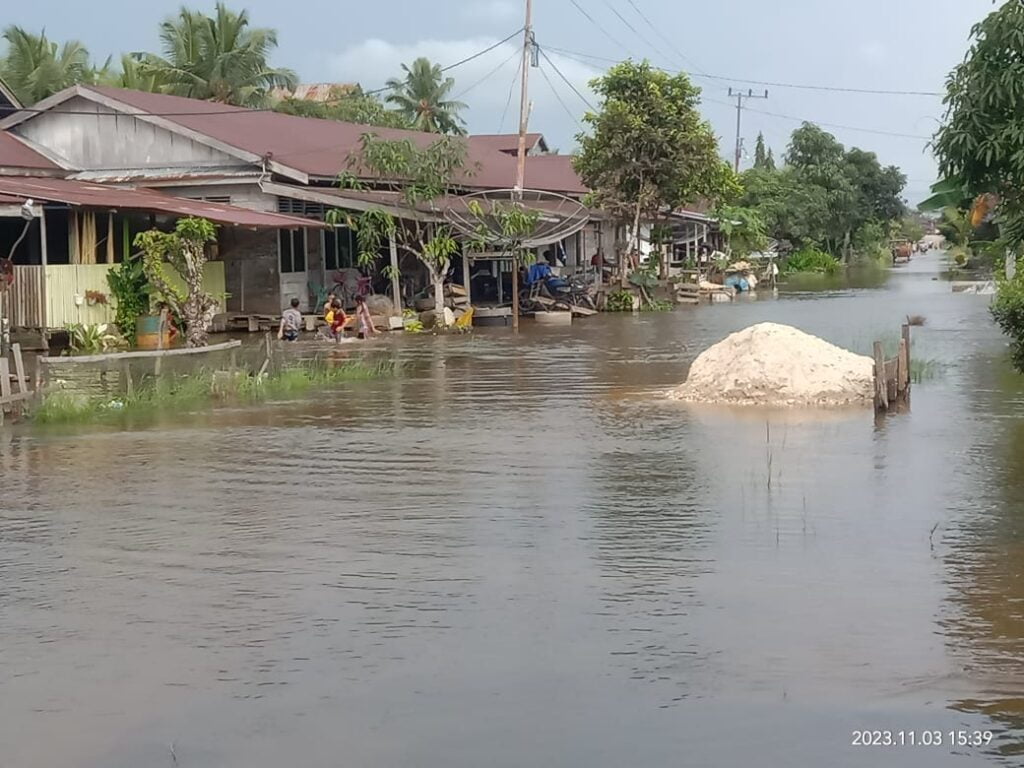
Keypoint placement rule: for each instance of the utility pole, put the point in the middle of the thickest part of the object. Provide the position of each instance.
(524, 119)
(740, 96)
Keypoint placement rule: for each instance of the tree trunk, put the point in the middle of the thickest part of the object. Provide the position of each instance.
(437, 278)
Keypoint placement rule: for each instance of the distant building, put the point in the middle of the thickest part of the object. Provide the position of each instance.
(320, 92)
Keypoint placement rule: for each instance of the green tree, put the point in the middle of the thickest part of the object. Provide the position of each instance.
(422, 96)
(761, 155)
(648, 150)
(35, 67)
(769, 161)
(418, 177)
(745, 228)
(347, 106)
(133, 74)
(978, 146)
(183, 250)
(219, 58)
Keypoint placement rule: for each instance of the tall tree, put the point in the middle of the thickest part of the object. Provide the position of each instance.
(760, 155)
(979, 147)
(422, 96)
(769, 161)
(648, 149)
(35, 67)
(219, 58)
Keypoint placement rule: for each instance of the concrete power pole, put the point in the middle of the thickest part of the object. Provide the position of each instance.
(740, 96)
(524, 118)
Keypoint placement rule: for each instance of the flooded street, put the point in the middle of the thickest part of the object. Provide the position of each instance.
(517, 553)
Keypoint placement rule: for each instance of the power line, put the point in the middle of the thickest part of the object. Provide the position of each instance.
(633, 29)
(565, 79)
(774, 84)
(487, 76)
(476, 55)
(604, 31)
(508, 102)
(559, 98)
(664, 37)
(820, 122)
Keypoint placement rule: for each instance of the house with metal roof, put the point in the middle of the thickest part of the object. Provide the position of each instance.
(260, 160)
(265, 162)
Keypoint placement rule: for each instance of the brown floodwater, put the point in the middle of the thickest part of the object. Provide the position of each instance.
(517, 553)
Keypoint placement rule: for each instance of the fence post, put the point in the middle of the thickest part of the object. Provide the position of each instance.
(902, 374)
(881, 389)
(19, 368)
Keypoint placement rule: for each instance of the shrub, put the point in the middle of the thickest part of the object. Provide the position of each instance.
(809, 259)
(1008, 312)
(619, 301)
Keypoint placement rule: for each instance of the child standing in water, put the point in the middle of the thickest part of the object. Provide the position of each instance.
(366, 328)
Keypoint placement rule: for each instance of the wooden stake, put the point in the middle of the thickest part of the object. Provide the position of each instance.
(19, 368)
(902, 374)
(5, 380)
(881, 390)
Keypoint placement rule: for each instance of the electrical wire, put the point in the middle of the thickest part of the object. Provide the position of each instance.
(559, 98)
(488, 76)
(604, 31)
(634, 30)
(665, 38)
(774, 84)
(566, 79)
(508, 101)
(841, 126)
(466, 60)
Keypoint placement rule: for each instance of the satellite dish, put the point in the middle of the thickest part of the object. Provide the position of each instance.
(477, 215)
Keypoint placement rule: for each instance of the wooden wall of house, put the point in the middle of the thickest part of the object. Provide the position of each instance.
(247, 195)
(251, 270)
(97, 138)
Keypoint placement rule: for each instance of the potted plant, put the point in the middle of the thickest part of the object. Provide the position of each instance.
(92, 298)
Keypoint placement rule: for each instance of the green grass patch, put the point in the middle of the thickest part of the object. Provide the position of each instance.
(158, 395)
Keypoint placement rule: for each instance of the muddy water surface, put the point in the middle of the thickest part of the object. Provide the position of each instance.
(518, 554)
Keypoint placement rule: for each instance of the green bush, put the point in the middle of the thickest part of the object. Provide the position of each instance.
(1008, 312)
(619, 301)
(809, 259)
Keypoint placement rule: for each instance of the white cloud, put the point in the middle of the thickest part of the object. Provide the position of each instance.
(493, 11)
(483, 83)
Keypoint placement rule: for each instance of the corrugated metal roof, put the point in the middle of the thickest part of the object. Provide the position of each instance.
(322, 148)
(81, 193)
(505, 142)
(15, 153)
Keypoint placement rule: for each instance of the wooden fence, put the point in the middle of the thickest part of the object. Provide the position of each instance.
(27, 305)
(892, 376)
(13, 397)
(23, 302)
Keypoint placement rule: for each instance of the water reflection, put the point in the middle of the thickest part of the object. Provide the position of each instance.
(518, 553)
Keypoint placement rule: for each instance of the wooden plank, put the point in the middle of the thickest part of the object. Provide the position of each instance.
(19, 368)
(902, 375)
(881, 392)
(5, 380)
(141, 354)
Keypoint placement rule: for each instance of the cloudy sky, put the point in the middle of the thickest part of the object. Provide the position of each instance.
(896, 45)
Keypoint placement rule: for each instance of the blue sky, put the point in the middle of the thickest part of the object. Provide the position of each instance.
(896, 45)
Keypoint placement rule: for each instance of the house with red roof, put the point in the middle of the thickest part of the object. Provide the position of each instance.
(281, 169)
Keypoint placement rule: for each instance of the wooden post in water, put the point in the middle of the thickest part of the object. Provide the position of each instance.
(881, 390)
(905, 334)
(902, 374)
(5, 386)
(19, 368)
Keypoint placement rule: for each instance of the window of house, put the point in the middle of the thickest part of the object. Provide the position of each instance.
(292, 247)
(339, 248)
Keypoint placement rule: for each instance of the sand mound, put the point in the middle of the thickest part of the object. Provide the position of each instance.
(778, 365)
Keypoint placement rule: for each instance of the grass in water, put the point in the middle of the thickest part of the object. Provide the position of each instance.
(203, 388)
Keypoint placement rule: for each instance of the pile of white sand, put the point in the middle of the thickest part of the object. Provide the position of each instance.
(778, 365)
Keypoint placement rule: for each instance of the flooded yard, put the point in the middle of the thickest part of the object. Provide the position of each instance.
(519, 553)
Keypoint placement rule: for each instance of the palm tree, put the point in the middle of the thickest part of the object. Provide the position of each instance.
(218, 59)
(422, 96)
(34, 67)
(134, 74)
